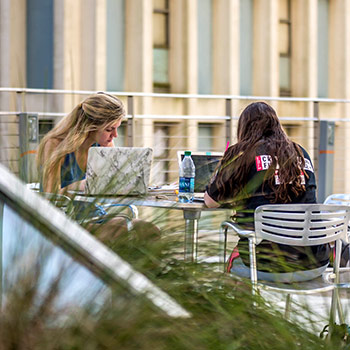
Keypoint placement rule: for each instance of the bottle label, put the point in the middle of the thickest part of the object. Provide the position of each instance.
(186, 184)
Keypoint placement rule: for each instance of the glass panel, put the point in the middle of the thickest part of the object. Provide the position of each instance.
(161, 155)
(159, 29)
(322, 48)
(160, 66)
(115, 46)
(205, 47)
(205, 138)
(246, 47)
(283, 9)
(285, 73)
(45, 125)
(283, 38)
(160, 4)
(40, 43)
(28, 253)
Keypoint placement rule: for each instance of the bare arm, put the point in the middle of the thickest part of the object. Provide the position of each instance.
(209, 202)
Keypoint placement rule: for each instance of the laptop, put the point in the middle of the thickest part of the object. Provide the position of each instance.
(205, 163)
(118, 170)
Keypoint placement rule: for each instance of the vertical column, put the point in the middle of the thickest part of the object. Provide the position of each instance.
(183, 64)
(265, 53)
(304, 48)
(191, 70)
(5, 40)
(12, 44)
(12, 74)
(339, 86)
(138, 59)
(100, 45)
(138, 63)
(226, 47)
(72, 44)
(304, 60)
(87, 45)
(59, 55)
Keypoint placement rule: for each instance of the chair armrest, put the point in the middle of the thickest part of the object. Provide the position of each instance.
(235, 227)
(133, 208)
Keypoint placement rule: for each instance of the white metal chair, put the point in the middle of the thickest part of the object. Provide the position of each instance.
(339, 199)
(297, 225)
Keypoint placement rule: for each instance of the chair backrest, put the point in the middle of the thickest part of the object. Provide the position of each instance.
(301, 224)
(338, 198)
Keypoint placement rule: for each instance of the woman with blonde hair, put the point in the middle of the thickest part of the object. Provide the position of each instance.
(63, 152)
(62, 155)
(266, 167)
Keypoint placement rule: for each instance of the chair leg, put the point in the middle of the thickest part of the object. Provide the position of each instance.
(287, 309)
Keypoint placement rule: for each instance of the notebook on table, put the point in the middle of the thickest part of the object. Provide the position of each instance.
(118, 170)
(205, 163)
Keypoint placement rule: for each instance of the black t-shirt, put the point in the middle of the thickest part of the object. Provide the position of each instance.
(274, 257)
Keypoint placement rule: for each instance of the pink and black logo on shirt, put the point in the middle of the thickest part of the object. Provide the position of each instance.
(263, 162)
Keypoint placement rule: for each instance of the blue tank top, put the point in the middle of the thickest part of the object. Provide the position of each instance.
(70, 171)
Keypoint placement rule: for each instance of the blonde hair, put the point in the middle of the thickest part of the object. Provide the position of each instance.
(96, 112)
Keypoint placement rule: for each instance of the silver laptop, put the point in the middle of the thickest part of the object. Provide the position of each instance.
(205, 163)
(118, 170)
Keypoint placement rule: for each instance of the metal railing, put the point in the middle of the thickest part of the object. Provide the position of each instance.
(300, 116)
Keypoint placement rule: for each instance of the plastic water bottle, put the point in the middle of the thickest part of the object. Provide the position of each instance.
(186, 180)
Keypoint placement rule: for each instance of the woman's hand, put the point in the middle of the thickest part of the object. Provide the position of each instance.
(209, 202)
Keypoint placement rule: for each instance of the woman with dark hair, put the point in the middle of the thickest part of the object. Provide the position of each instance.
(266, 167)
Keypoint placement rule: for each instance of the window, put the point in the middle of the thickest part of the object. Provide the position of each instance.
(322, 48)
(115, 45)
(205, 137)
(161, 154)
(45, 125)
(40, 44)
(205, 47)
(284, 45)
(161, 46)
(246, 47)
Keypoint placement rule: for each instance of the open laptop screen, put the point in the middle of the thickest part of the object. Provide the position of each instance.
(205, 163)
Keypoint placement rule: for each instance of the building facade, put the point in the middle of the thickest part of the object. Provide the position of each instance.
(237, 48)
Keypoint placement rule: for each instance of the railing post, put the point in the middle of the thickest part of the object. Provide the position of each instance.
(130, 122)
(28, 126)
(325, 160)
(228, 124)
(316, 137)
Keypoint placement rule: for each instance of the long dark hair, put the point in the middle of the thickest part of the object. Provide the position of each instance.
(259, 127)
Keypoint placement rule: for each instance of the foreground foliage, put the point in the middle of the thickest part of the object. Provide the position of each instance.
(224, 314)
